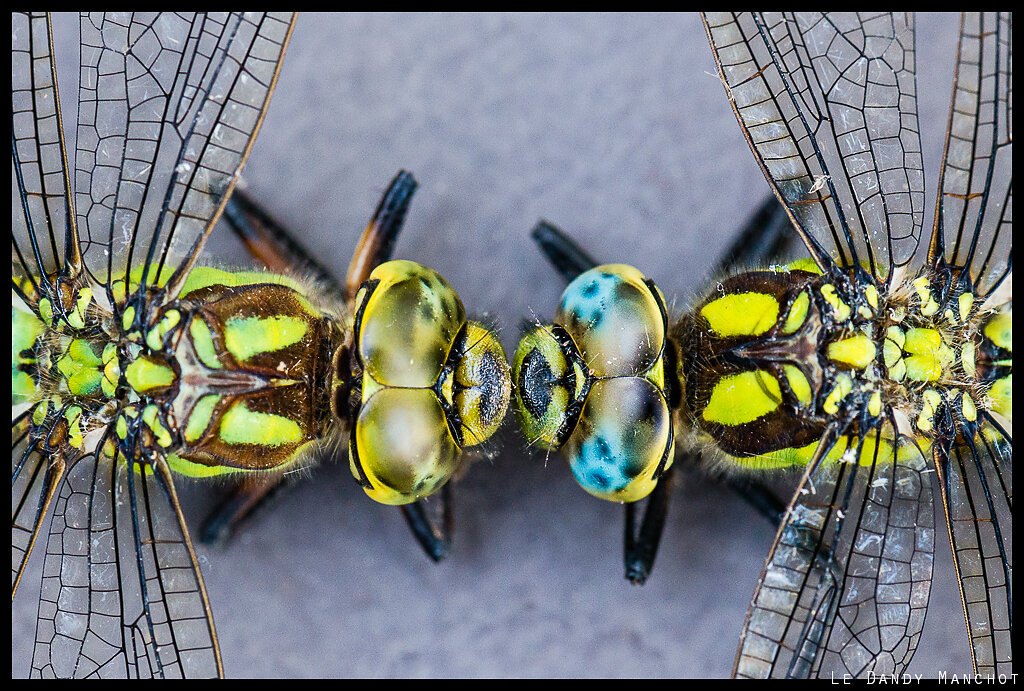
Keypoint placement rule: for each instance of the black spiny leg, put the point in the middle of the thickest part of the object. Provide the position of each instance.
(641, 547)
(765, 238)
(568, 258)
(234, 509)
(272, 244)
(434, 541)
(378, 240)
(764, 501)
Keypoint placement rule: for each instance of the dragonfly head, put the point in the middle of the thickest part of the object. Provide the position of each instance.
(593, 383)
(430, 383)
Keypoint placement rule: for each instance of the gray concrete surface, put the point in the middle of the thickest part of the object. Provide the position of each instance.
(614, 127)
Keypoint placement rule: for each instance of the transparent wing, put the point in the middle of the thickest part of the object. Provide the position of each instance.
(829, 107)
(41, 188)
(845, 586)
(974, 221)
(34, 479)
(169, 105)
(39, 216)
(977, 496)
(122, 595)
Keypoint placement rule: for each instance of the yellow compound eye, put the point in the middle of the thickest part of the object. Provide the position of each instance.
(482, 386)
(622, 436)
(408, 325)
(615, 319)
(547, 381)
(432, 383)
(403, 445)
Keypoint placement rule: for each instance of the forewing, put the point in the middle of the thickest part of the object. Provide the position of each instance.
(845, 586)
(977, 492)
(121, 595)
(40, 184)
(828, 105)
(34, 479)
(169, 106)
(974, 221)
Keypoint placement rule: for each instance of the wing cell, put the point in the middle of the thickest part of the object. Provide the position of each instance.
(829, 108)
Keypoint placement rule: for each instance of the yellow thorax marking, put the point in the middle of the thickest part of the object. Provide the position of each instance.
(741, 314)
(741, 398)
(857, 351)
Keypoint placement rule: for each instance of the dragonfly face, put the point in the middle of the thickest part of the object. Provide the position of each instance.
(131, 363)
(859, 368)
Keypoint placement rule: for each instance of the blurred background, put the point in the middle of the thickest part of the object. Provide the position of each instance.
(616, 128)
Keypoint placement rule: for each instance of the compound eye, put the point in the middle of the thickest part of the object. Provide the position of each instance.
(403, 445)
(482, 386)
(615, 319)
(547, 381)
(622, 436)
(408, 325)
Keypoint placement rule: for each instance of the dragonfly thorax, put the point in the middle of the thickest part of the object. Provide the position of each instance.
(231, 377)
(773, 357)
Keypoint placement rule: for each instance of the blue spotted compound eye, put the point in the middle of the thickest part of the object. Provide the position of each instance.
(623, 435)
(616, 320)
(593, 383)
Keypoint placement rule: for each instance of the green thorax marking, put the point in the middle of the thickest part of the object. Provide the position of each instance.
(855, 352)
(83, 368)
(245, 337)
(872, 451)
(927, 354)
(999, 330)
(147, 373)
(243, 426)
(740, 398)
(994, 358)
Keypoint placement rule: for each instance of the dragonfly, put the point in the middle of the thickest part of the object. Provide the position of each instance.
(134, 362)
(814, 366)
